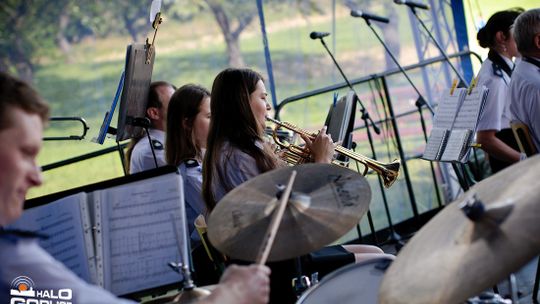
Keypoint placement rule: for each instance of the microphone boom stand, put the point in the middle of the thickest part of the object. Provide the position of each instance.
(421, 98)
(420, 102)
(394, 237)
(438, 45)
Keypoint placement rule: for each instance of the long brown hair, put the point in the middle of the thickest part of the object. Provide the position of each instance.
(233, 122)
(184, 106)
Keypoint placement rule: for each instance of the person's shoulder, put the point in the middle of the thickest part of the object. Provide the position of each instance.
(191, 163)
(490, 74)
(526, 76)
(190, 168)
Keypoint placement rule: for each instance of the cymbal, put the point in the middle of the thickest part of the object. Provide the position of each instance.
(326, 202)
(184, 296)
(453, 258)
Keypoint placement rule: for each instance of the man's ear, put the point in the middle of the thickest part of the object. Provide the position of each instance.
(537, 41)
(153, 113)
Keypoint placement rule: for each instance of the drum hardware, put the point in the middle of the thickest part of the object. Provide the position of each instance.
(476, 211)
(189, 294)
(352, 284)
(295, 154)
(453, 258)
(321, 194)
(301, 284)
(176, 267)
(488, 298)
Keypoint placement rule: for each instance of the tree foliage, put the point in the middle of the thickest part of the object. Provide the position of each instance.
(27, 30)
(30, 29)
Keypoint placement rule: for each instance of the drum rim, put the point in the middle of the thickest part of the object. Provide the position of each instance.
(337, 272)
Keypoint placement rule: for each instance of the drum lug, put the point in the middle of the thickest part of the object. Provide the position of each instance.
(300, 284)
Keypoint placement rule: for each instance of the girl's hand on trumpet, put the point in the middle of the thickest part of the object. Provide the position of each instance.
(321, 147)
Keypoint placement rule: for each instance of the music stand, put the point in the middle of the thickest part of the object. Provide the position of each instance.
(340, 121)
(135, 91)
(133, 86)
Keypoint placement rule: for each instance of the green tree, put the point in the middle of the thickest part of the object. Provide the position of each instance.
(233, 16)
(33, 29)
(27, 30)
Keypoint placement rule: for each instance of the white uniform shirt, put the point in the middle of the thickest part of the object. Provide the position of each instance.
(496, 114)
(524, 96)
(141, 156)
(24, 257)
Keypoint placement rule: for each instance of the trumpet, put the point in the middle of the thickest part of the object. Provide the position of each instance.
(295, 154)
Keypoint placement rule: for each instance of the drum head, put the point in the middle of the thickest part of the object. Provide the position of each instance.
(352, 284)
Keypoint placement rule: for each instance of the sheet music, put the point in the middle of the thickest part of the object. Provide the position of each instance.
(63, 222)
(468, 114)
(448, 107)
(137, 233)
(458, 142)
(435, 144)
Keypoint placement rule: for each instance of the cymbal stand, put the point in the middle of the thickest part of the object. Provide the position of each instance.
(301, 282)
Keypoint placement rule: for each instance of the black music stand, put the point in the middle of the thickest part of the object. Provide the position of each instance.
(135, 92)
(340, 121)
(133, 87)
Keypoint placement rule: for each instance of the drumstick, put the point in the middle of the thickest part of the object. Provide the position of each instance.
(270, 235)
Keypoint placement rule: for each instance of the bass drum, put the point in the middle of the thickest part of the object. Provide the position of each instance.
(352, 284)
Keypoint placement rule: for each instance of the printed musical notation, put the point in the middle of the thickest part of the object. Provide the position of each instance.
(448, 107)
(62, 221)
(454, 124)
(456, 145)
(140, 235)
(472, 106)
(121, 237)
(433, 145)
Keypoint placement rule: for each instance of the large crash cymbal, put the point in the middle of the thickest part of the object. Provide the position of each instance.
(326, 202)
(453, 258)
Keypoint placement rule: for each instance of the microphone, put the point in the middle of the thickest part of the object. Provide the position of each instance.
(359, 13)
(318, 35)
(412, 4)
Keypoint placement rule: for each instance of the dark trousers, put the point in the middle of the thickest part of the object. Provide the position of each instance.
(506, 136)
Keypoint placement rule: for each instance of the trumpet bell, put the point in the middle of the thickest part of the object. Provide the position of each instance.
(295, 154)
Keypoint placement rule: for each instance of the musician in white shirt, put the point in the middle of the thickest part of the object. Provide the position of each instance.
(494, 133)
(525, 85)
(139, 153)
